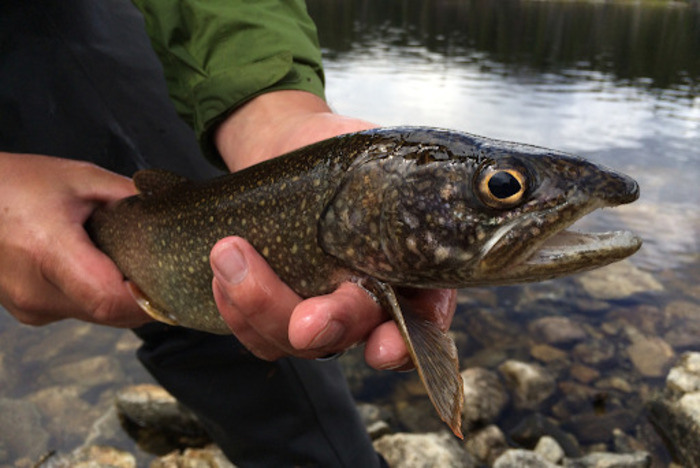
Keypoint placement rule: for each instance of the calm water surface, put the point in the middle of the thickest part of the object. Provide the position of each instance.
(617, 83)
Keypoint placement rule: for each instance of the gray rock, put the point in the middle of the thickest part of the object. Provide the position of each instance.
(375, 419)
(152, 406)
(595, 353)
(439, 450)
(533, 427)
(549, 449)
(21, 430)
(531, 384)
(618, 281)
(210, 456)
(484, 397)
(685, 375)
(557, 330)
(593, 427)
(518, 458)
(650, 355)
(610, 460)
(92, 457)
(486, 444)
(90, 372)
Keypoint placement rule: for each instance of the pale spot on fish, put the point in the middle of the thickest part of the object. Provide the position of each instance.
(265, 251)
(441, 254)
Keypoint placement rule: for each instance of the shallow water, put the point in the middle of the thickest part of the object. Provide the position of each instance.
(617, 83)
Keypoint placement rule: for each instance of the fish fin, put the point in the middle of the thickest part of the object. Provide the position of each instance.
(150, 181)
(147, 305)
(433, 352)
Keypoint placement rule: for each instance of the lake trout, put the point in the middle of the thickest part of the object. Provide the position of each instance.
(384, 208)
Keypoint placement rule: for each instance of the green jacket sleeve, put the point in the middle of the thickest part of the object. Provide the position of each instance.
(218, 54)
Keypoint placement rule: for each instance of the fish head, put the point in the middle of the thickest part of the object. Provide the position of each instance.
(490, 212)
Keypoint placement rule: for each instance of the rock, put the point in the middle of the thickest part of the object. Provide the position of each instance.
(557, 330)
(418, 415)
(533, 427)
(618, 281)
(92, 456)
(152, 406)
(611, 460)
(593, 427)
(547, 353)
(594, 353)
(484, 397)
(486, 444)
(531, 384)
(439, 450)
(21, 430)
(518, 458)
(650, 355)
(614, 383)
(90, 372)
(583, 373)
(549, 449)
(685, 375)
(207, 457)
(374, 418)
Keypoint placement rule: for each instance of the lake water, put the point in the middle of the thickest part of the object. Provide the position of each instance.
(615, 82)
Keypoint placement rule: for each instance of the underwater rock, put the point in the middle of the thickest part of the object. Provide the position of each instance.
(92, 456)
(531, 384)
(90, 372)
(610, 460)
(486, 444)
(21, 430)
(210, 456)
(650, 355)
(618, 281)
(557, 330)
(519, 458)
(439, 450)
(484, 397)
(549, 449)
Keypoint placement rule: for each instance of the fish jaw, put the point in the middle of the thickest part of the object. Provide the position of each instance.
(552, 250)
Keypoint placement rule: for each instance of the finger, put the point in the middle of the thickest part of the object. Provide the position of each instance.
(434, 305)
(252, 297)
(385, 349)
(336, 321)
(90, 283)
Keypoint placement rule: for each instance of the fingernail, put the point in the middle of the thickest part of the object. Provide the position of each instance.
(402, 366)
(230, 265)
(330, 335)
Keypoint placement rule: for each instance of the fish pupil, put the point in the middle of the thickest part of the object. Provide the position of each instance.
(503, 185)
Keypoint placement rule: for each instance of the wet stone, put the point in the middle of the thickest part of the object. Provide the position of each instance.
(21, 430)
(594, 427)
(90, 372)
(618, 281)
(549, 449)
(557, 330)
(583, 374)
(611, 460)
(594, 353)
(486, 444)
(685, 375)
(650, 355)
(533, 427)
(518, 458)
(439, 450)
(530, 384)
(207, 457)
(546, 353)
(484, 397)
(92, 457)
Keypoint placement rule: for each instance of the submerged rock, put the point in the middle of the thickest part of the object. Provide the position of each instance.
(531, 384)
(557, 330)
(484, 397)
(676, 414)
(611, 460)
(21, 430)
(92, 456)
(207, 457)
(486, 444)
(618, 281)
(518, 458)
(439, 450)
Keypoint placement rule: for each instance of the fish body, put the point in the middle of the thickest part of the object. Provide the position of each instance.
(406, 206)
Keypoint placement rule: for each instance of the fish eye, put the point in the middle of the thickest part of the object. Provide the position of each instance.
(501, 188)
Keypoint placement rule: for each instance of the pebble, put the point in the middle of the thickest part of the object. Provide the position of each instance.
(90, 372)
(618, 281)
(438, 450)
(546, 353)
(611, 460)
(650, 355)
(484, 397)
(530, 384)
(549, 449)
(557, 330)
(519, 458)
(685, 375)
(207, 457)
(486, 444)
(92, 457)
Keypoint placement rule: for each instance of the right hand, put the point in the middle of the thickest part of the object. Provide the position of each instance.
(49, 268)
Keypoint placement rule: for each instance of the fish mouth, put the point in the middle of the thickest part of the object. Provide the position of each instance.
(565, 252)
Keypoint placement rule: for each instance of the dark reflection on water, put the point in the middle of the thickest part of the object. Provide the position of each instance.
(652, 46)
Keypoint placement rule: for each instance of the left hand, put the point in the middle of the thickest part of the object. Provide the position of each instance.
(267, 316)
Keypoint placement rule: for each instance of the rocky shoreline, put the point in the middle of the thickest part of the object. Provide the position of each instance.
(586, 372)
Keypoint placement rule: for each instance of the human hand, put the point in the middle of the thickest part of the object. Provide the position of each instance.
(269, 318)
(49, 268)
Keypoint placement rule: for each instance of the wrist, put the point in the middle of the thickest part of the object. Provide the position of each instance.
(276, 123)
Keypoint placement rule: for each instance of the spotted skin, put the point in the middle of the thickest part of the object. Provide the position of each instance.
(406, 206)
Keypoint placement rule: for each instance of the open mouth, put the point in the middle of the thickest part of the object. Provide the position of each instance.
(596, 249)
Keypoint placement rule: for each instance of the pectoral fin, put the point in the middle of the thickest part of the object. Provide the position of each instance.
(147, 305)
(433, 352)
